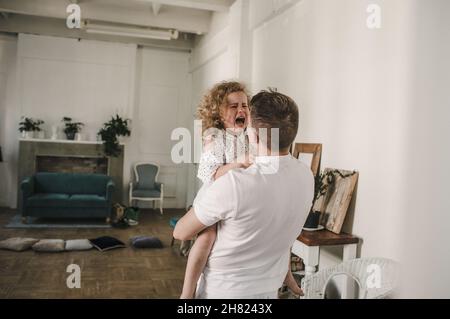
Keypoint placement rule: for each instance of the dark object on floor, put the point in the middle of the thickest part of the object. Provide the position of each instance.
(146, 242)
(121, 223)
(132, 214)
(105, 243)
(185, 247)
(173, 222)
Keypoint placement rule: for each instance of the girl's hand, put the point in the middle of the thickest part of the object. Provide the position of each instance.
(245, 161)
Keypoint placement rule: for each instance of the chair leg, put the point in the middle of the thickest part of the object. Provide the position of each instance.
(161, 206)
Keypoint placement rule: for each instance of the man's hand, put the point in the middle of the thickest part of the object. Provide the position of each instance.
(188, 226)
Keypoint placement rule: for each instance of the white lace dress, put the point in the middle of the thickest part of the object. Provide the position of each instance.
(223, 148)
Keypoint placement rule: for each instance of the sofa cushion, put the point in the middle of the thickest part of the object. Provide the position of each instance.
(48, 200)
(87, 201)
(91, 184)
(17, 243)
(58, 183)
(142, 192)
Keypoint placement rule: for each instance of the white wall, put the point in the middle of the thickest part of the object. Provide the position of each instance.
(162, 104)
(86, 80)
(351, 84)
(92, 80)
(425, 191)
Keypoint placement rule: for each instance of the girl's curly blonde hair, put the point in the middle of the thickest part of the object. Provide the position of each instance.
(209, 109)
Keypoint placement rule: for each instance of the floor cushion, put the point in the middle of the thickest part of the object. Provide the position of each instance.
(105, 243)
(78, 244)
(146, 242)
(17, 243)
(49, 245)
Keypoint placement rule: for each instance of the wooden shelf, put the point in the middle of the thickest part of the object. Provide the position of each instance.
(326, 238)
(47, 140)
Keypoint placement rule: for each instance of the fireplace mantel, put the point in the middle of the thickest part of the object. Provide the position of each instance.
(46, 140)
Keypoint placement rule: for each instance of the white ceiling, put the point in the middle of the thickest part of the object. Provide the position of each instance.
(186, 16)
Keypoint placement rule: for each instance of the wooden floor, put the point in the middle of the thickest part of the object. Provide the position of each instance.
(119, 273)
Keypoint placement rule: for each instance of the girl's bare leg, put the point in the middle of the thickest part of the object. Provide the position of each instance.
(198, 256)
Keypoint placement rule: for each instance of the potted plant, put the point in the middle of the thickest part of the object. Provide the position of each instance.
(71, 128)
(110, 132)
(324, 182)
(320, 189)
(28, 126)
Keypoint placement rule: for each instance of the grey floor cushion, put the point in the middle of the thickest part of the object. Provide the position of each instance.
(146, 242)
(18, 243)
(78, 244)
(49, 245)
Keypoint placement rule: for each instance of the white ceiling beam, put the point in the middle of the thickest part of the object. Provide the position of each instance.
(54, 27)
(209, 5)
(182, 19)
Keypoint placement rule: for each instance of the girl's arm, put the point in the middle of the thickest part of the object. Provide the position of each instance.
(222, 170)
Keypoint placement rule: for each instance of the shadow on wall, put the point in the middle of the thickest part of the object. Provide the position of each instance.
(347, 227)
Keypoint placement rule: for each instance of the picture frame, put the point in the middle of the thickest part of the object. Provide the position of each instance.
(309, 148)
(333, 206)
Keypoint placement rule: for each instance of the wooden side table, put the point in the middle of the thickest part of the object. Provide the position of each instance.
(307, 246)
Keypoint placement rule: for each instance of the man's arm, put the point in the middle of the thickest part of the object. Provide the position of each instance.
(217, 203)
(188, 226)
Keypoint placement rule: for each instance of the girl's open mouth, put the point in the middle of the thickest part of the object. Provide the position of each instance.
(240, 120)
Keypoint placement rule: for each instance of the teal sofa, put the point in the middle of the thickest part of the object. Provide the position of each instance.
(67, 195)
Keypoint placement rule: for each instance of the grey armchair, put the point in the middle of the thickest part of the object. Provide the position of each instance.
(145, 186)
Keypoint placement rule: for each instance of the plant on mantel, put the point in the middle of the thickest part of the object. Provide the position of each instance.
(71, 128)
(29, 124)
(110, 132)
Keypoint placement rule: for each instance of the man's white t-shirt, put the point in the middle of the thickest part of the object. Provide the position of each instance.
(260, 211)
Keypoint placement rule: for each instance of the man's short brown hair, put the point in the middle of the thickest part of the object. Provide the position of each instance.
(270, 109)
